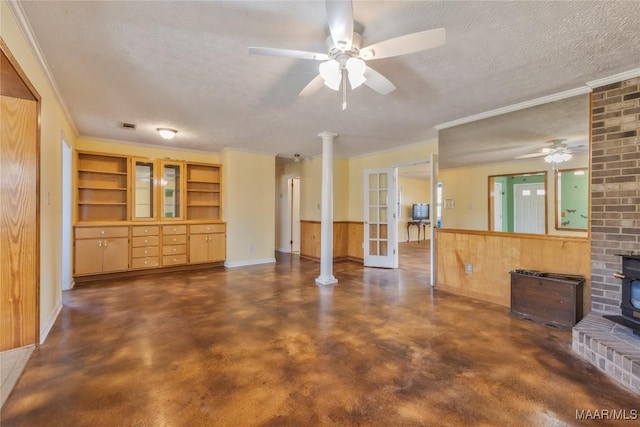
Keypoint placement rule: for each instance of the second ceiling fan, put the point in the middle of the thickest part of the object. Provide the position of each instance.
(345, 57)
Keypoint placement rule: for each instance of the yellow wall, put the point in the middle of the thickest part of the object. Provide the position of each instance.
(386, 159)
(469, 188)
(53, 125)
(249, 206)
(414, 190)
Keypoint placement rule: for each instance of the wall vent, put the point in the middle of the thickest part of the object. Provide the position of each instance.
(128, 126)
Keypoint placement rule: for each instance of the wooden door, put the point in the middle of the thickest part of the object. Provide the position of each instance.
(115, 254)
(88, 259)
(18, 222)
(198, 248)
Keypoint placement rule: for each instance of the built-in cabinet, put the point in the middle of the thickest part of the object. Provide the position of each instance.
(135, 213)
(207, 243)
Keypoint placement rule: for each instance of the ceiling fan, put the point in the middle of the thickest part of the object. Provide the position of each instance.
(558, 151)
(345, 57)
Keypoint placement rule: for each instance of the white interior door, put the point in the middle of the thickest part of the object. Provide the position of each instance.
(497, 206)
(528, 208)
(379, 218)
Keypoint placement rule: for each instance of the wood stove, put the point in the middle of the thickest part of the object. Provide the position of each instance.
(630, 303)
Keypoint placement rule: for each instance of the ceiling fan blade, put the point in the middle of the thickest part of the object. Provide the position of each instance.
(378, 82)
(402, 45)
(530, 156)
(313, 86)
(340, 20)
(288, 53)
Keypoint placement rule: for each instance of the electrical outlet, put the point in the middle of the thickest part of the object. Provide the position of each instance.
(250, 249)
(468, 268)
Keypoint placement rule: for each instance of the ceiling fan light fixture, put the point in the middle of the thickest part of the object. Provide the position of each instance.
(558, 157)
(167, 133)
(356, 68)
(330, 72)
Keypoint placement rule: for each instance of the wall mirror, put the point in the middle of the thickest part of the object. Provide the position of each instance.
(503, 148)
(572, 199)
(518, 203)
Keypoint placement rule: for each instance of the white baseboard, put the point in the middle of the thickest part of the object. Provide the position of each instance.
(232, 264)
(47, 327)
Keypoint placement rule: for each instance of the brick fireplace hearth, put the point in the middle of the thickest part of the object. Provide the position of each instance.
(615, 228)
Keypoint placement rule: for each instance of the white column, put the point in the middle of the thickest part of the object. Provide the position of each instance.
(326, 226)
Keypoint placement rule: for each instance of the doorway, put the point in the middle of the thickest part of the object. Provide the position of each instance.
(67, 180)
(414, 214)
(293, 189)
(497, 206)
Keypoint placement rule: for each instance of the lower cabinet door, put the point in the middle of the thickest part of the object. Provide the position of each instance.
(198, 248)
(88, 256)
(115, 255)
(217, 247)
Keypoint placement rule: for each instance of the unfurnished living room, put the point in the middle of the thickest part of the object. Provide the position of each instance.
(301, 213)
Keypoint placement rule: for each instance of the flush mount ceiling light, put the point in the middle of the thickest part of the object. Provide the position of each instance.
(167, 133)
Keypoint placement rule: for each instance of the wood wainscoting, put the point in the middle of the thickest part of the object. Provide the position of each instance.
(347, 240)
(493, 255)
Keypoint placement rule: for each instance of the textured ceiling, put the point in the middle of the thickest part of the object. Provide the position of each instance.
(186, 65)
(503, 138)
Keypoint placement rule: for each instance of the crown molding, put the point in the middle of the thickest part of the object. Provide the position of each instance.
(614, 78)
(516, 107)
(140, 144)
(25, 27)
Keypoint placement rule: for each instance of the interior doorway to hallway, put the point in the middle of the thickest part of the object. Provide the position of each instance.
(413, 217)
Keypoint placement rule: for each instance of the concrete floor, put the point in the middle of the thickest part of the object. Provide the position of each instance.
(263, 345)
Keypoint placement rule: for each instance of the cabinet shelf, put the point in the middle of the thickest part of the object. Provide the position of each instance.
(105, 172)
(84, 187)
(202, 191)
(199, 205)
(201, 181)
(102, 203)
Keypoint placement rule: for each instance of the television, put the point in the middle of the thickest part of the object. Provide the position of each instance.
(420, 212)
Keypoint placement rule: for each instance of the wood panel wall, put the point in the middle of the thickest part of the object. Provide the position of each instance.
(494, 255)
(347, 240)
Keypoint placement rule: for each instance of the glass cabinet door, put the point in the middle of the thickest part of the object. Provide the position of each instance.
(171, 191)
(144, 174)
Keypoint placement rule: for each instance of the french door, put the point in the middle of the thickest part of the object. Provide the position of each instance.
(380, 230)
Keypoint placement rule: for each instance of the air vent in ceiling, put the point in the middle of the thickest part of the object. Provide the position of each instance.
(128, 126)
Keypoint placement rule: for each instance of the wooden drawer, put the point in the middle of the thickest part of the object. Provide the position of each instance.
(174, 249)
(207, 228)
(174, 239)
(147, 262)
(145, 241)
(174, 229)
(145, 252)
(174, 259)
(151, 230)
(101, 232)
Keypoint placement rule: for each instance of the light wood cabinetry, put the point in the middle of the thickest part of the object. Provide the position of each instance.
(101, 249)
(135, 213)
(143, 186)
(145, 246)
(102, 187)
(174, 244)
(203, 192)
(171, 206)
(207, 243)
